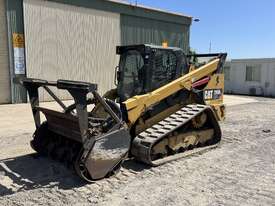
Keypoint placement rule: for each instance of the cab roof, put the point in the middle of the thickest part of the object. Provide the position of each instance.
(144, 48)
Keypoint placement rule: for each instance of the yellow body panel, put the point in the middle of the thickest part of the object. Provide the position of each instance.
(217, 82)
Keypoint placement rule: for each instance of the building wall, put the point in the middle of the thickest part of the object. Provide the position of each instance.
(237, 82)
(5, 91)
(69, 42)
(59, 34)
(15, 25)
(139, 30)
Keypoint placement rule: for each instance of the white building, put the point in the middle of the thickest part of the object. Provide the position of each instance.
(250, 77)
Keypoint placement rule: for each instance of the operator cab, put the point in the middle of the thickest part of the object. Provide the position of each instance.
(144, 68)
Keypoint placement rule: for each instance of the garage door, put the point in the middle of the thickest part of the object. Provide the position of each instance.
(5, 95)
(69, 42)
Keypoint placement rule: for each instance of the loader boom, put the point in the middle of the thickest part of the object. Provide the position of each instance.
(138, 104)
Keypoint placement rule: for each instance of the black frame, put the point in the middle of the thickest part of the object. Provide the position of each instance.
(147, 51)
(78, 90)
(221, 56)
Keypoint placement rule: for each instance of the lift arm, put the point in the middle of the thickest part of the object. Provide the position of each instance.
(138, 104)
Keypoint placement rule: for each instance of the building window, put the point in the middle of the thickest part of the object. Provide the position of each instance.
(226, 70)
(253, 73)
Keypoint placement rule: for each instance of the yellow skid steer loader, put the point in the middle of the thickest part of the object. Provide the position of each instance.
(163, 108)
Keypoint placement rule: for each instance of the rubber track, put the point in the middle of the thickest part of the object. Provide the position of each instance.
(144, 142)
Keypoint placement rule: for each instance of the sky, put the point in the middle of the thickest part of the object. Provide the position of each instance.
(242, 28)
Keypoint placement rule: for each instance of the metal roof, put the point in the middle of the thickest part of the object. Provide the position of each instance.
(252, 60)
(125, 2)
(126, 8)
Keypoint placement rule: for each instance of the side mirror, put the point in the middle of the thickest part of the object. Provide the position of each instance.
(117, 75)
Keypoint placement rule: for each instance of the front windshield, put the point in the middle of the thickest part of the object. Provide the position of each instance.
(131, 79)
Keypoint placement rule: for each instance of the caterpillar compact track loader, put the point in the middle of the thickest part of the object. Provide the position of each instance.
(163, 108)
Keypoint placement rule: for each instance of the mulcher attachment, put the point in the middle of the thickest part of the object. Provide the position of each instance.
(94, 146)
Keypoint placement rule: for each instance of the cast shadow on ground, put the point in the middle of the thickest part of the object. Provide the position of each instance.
(131, 164)
(32, 171)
